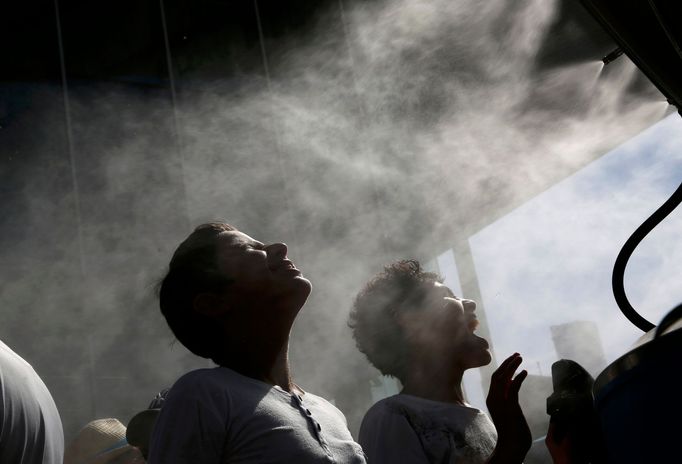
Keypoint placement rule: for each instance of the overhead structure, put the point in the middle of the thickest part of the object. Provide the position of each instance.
(650, 33)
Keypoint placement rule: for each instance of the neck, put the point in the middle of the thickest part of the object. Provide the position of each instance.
(257, 344)
(267, 362)
(434, 380)
(279, 373)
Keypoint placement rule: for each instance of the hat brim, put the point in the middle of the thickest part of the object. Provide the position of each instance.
(124, 455)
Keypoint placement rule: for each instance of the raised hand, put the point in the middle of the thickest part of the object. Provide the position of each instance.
(513, 434)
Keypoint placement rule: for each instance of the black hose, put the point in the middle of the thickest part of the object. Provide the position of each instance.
(618, 275)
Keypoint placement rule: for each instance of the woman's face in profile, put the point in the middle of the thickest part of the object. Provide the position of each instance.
(445, 326)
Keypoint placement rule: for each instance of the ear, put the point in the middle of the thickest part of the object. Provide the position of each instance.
(210, 304)
(411, 322)
(402, 318)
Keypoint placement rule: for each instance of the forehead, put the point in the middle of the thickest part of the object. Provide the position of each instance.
(235, 237)
(234, 240)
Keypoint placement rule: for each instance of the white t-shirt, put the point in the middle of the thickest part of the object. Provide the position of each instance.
(217, 416)
(407, 429)
(31, 429)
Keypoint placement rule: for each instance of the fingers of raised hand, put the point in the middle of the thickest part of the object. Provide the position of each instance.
(513, 365)
(503, 375)
(516, 385)
(502, 387)
(499, 372)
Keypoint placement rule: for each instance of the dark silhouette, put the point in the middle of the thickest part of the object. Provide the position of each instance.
(233, 299)
(411, 326)
(574, 433)
(141, 425)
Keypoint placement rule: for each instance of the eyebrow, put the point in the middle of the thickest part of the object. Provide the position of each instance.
(254, 244)
(245, 244)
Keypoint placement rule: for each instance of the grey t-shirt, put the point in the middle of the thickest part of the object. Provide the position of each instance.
(219, 416)
(412, 430)
(31, 429)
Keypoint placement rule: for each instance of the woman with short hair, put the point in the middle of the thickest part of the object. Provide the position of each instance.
(233, 299)
(412, 327)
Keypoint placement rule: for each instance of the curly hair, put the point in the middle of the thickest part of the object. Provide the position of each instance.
(399, 288)
(193, 269)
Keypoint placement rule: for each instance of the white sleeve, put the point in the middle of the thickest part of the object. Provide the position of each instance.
(387, 438)
(192, 426)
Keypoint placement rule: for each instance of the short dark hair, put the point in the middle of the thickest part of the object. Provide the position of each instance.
(400, 287)
(194, 269)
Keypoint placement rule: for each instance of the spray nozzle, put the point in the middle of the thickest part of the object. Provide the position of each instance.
(613, 56)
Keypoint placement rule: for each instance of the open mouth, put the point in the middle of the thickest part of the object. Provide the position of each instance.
(473, 324)
(285, 265)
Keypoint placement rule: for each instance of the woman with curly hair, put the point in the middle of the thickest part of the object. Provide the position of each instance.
(412, 327)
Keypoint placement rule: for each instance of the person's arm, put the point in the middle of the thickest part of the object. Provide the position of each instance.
(386, 437)
(191, 428)
(560, 445)
(513, 434)
(575, 442)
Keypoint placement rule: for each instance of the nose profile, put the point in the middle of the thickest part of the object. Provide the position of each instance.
(277, 250)
(469, 305)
